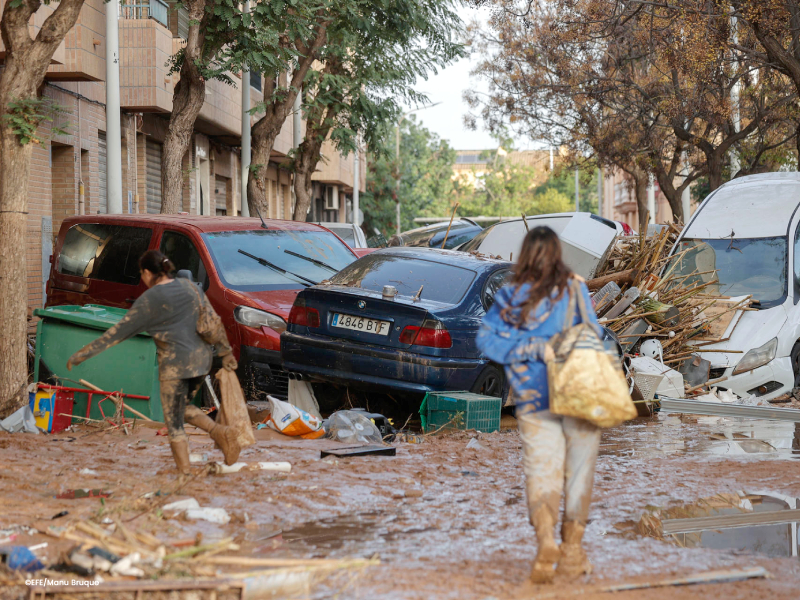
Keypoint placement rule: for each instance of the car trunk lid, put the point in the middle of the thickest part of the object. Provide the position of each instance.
(355, 302)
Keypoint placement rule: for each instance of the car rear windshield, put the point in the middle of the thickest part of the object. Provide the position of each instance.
(105, 252)
(280, 248)
(735, 267)
(440, 282)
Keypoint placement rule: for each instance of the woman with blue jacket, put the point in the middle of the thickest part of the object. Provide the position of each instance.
(559, 453)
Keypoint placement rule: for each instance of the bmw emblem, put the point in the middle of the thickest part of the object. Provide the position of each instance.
(362, 305)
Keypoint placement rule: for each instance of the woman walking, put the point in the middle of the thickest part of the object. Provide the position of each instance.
(559, 453)
(169, 311)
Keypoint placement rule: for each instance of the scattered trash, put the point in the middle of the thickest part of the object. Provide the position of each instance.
(63, 513)
(87, 471)
(474, 444)
(695, 371)
(700, 578)
(408, 438)
(21, 420)
(369, 450)
(181, 505)
(212, 515)
(290, 420)
(301, 395)
(83, 493)
(671, 383)
(384, 425)
(52, 408)
(20, 558)
(352, 426)
(197, 457)
(282, 467)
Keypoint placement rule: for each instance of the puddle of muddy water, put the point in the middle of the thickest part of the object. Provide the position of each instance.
(664, 435)
(762, 524)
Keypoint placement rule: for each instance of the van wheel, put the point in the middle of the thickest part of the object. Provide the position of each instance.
(491, 382)
(795, 356)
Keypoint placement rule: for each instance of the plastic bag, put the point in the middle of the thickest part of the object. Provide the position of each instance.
(290, 420)
(351, 426)
(233, 410)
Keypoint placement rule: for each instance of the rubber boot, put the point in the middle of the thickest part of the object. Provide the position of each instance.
(180, 452)
(548, 552)
(574, 561)
(224, 436)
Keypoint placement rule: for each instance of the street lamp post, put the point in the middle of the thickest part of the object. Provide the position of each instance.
(397, 150)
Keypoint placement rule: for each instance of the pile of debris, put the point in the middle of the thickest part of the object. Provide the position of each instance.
(655, 309)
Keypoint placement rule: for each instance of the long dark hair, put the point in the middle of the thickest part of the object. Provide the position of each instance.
(540, 265)
(157, 263)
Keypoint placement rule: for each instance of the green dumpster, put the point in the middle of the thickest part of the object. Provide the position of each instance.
(129, 367)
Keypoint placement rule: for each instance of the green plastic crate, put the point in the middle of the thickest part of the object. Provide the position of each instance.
(477, 412)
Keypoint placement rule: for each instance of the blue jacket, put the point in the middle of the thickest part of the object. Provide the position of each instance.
(521, 349)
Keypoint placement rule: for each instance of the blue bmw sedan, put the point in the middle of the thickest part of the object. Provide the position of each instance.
(399, 320)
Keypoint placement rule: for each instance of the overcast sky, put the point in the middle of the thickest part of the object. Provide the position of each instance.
(447, 87)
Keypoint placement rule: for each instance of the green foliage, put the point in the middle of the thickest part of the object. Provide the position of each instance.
(25, 116)
(426, 169)
(564, 183)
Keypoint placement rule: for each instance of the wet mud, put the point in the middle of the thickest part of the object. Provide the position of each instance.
(445, 521)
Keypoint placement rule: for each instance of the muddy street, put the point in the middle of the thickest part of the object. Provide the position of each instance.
(443, 520)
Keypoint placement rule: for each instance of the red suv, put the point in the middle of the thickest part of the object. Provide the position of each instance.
(251, 272)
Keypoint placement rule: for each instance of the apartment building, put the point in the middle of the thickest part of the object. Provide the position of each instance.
(68, 174)
(470, 165)
(619, 201)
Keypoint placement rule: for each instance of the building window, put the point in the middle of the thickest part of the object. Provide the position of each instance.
(255, 80)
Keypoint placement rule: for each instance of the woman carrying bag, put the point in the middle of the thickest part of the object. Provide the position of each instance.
(184, 326)
(544, 302)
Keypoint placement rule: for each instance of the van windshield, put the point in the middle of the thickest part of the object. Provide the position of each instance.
(735, 267)
(229, 249)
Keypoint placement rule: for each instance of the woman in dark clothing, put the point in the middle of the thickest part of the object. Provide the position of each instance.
(559, 453)
(169, 311)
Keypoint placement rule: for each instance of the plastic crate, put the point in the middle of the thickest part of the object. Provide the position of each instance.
(460, 410)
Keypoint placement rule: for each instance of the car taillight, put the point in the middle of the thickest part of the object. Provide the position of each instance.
(432, 333)
(302, 315)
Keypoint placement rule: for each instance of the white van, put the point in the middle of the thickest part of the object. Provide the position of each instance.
(585, 238)
(748, 232)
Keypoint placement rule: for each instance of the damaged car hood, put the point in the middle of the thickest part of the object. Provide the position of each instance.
(753, 329)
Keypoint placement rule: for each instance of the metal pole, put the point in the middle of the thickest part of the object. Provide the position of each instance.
(113, 128)
(397, 134)
(651, 199)
(577, 193)
(600, 192)
(246, 154)
(297, 138)
(735, 114)
(551, 160)
(356, 184)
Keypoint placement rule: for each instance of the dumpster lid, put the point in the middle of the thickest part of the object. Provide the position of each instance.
(89, 315)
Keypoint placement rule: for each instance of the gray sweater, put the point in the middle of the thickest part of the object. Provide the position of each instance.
(169, 313)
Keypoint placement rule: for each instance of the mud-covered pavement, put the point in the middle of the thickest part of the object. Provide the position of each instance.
(445, 521)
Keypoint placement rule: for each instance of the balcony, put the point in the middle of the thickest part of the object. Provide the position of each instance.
(334, 169)
(145, 44)
(154, 9)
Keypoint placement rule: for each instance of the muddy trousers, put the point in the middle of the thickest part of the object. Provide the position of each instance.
(175, 397)
(558, 457)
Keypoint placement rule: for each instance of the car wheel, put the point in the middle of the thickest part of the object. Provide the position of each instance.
(796, 363)
(491, 382)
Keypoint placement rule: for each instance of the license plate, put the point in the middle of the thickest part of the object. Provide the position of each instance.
(361, 324)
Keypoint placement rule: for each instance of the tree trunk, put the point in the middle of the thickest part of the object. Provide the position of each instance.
(25, 66)
(187, 101)
(305, 163)
(268, 127)
(714, 164)
(640, 189)
(15, 161)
